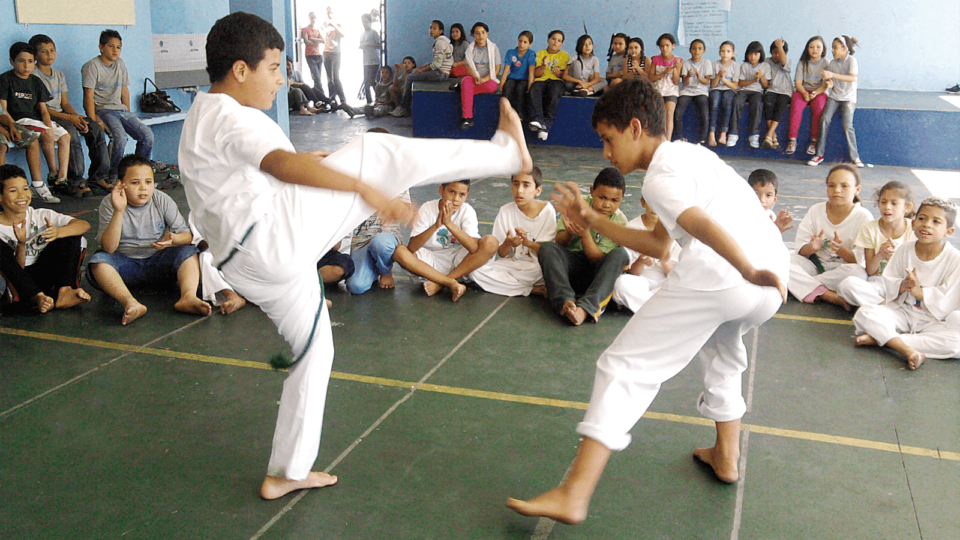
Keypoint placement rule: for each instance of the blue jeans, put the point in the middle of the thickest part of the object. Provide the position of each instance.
(119, 124)
(371, 261)
(428, 75)
(847, 109)
(97, 146)
(544, 99)
(720, 98)
(160, 267)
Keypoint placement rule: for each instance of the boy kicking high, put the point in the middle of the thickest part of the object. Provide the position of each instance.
(269, 213)
(713, 296)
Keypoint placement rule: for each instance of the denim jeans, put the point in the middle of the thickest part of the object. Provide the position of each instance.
(371, 261)
(544, 99)
(567, 272)
(331, 61)
(754, 100)
(703, 106)
(721, 107)
(315, 63)
(421, 76)
(119, 124)
(156, 269)
(515, 90)
(847, 109)
(96, 145)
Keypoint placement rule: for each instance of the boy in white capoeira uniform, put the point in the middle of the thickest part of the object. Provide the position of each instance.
(922, 288)
(712, 297)
(269, 213)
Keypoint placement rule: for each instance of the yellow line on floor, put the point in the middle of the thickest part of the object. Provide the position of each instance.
(823, 320)
(498, 396)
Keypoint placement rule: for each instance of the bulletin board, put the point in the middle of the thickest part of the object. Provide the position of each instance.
(99, 12)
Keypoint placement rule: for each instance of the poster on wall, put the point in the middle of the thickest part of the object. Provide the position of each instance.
(703, 19)
(101, 12)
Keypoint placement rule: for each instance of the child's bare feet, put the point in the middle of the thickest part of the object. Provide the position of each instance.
(712, 139)
(557, 504)
(232, 303)
(44, 302)
(723, 139)
(192, 304)
(457, 290)
(432, 288)
(539, 290)
(832, 297)
(724, 466)
(329, 303)
(69, 297)
(915, 360)
(133, 311)
(573, 313)
(274, 487)
(511, 124)
(387, 281)
(864, 340)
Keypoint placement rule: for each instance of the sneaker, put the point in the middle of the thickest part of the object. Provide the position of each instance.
(467, 123)
(816, 160)
(159, 166)
(580, 92)
(732, 140)
(455, 85)
(792, 146)
(398, 112)
(542, 135)
(955, 89)
(537, 126)
(348, 109)
(105, 184)
(812, 149)
(44, 193)
(858, 164)
(754, 141)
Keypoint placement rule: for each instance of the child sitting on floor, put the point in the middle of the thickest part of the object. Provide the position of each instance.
(40, 250)
(645, 274)
(765, 185)
(521, 227)
(445, 243)
(143, 240)
(920, 318)
(582, 260)
(383, 102)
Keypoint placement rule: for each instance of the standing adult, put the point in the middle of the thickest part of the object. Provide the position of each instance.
(313, 39)
(370, 45)
(332, 34)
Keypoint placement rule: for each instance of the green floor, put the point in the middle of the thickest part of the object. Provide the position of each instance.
(437, 412)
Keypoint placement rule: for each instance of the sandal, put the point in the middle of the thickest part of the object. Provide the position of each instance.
(792, 146)
(103, 183)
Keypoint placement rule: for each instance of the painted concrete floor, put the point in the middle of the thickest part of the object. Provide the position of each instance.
(437, 412)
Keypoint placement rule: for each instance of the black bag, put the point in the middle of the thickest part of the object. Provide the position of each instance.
(157, 101)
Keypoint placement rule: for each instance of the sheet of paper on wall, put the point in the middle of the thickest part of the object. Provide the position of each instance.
(703, 19)
(179, 52)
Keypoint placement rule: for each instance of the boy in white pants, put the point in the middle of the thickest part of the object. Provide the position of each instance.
(269, 213)
(922, 285)
(713, 296)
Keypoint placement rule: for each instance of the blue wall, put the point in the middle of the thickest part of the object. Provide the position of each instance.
(905, 46)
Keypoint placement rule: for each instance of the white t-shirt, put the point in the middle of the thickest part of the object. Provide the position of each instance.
(465, 218)
(816, 220)
(871, 237)
(696, 88)
(542, 228)
(749, 71)
(221, 148)
(939, 279)
(637, 223)
(36, 224)
(683, 175)
(843, 90)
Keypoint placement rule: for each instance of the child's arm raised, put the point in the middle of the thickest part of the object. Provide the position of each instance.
(110, 239)
(467, 241)
(418, 241)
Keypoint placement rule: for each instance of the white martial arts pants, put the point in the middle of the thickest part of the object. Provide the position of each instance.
(916, 327)
(804, 276)
(862, 292)
(632, 291)
(275, 266)
(663, 337)
(508, 277)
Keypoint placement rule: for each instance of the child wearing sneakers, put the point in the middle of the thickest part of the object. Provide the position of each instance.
(521, 227)
(445, 243)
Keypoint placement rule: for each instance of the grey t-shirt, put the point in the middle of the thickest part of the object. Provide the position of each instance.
(56, 83)
(143, 225)
(842, 90)
(583, 68)
(749, 72)
(780, 83)
(730, 73)
(810, 74)
(615, 64)
(106, 82)
(695, 87)
(460, 51)
(371, 55)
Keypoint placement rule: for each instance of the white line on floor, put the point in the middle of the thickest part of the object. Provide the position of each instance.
(738, 511)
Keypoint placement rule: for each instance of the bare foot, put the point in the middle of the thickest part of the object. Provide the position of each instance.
(192, 304)
(723, 139)
(511, 124)
(712, 140)
(305, 112)
(864, 340)
(573, 313)
(274, 488)
(387, 281)
(432, 288)
(832, 297)
(457, 290)
(329, 303)
(132, 312)
(232, 303)
(69, 297)
(539, 290)
(915, 360)
(44, 302)
(557, 504)
(724, 466)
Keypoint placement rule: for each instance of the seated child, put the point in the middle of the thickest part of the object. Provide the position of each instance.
(765, 185)
(214, 289)
(582, 260)
(24, 96)
(63, 114)
(645, 274)
(300, 95)
(520, 227)
(515, 81)
(920, 318)
(547, 87)
(335, 266)
(400, 72)
(879, 240)
(384, 102)
(143, 240)
(583, 78)
(616, 59)
(445, 243)
(16, 136)
(106, 100)
(40, 250)
(827, 254)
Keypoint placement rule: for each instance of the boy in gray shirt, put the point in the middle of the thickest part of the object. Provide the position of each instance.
(106, 100)
(144, 240)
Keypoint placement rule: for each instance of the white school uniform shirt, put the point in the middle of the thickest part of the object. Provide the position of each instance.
(683, 175)
(35, 225)
(465, 218)
(939, 279)
(542, 228)
(843, 90)
(696, 88)
(221, 147)
(871, 237)
(816, 219)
